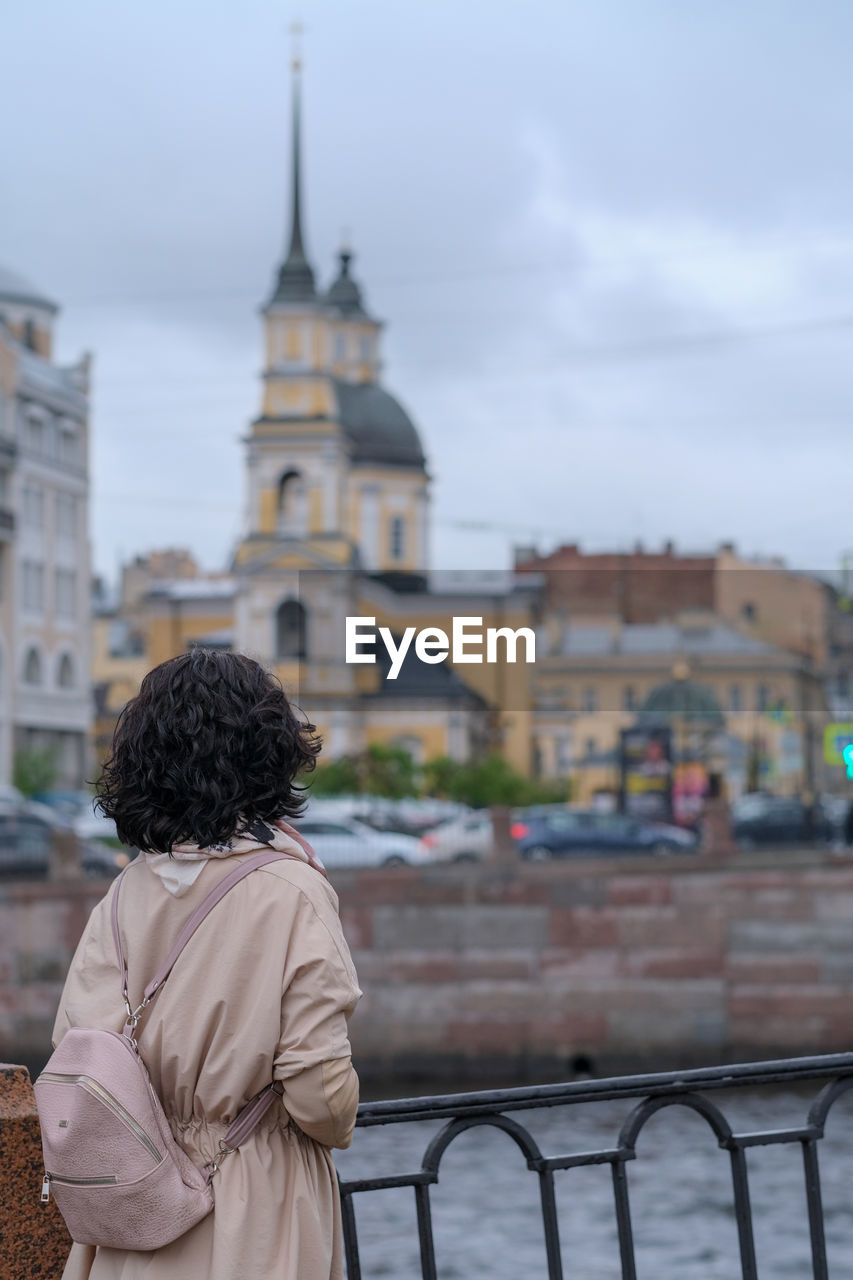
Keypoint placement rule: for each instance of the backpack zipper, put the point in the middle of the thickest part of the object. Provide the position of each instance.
(98, 1090)
(108, 1180)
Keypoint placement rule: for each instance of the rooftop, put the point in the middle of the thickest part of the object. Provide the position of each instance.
(17, 288)
(660, 638)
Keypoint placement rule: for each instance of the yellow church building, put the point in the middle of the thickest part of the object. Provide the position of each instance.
(338, 526)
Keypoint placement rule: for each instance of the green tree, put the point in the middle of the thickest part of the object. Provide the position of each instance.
(34, 770)
(488, 781)
(379, 771)
(337, 778)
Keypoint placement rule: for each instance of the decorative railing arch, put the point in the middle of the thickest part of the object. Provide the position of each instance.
(656, 1092)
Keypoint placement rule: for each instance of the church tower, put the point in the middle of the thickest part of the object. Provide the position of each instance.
(336, 475)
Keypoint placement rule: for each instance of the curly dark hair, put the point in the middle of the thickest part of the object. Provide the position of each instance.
(210, 744)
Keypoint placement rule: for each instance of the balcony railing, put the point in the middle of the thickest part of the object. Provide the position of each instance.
(683, 1088)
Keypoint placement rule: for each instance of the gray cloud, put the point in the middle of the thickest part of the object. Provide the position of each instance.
(548, 204)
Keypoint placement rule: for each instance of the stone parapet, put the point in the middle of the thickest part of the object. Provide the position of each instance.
(33, 1238)
(480, 968)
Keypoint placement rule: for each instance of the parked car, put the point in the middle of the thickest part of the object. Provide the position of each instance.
(410, 817)
(26, 841)
(465, 839)
(560, 833)
(761, 819)
(68, 803)
(346, 842)
(93, 824)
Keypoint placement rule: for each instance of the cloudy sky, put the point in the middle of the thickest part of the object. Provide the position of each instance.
(612, 240)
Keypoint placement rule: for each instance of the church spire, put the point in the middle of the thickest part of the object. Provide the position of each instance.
(296, 276)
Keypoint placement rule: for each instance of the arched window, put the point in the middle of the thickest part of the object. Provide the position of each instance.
(32, 667)
(65, 672)
(290, 502)
(290, 631)
(412, 745)
(398, 538)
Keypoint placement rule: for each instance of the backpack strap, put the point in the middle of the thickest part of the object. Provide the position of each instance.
(256, 1108)
(202, 911)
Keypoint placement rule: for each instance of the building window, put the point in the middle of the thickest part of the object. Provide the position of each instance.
(398, 538)
(590, 698)
(290, 631)
(66, 515)
(292, 342)
(735, 698)
(65, 673)
(412, 746)
(35, 433)
(589, 747)
(563, 759)
(30, 335)
(32, 586)
(762, 697)
(289, 495)
(340, 348)
(365, 348)
(122, 641)
(69, 446)
(51, 438)
(32, 667)
(33, 506)
(66, 591)
(629, 698)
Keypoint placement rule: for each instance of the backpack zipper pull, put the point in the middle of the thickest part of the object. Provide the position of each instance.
(45, 1189)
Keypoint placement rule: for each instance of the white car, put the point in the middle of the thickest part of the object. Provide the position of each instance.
(465, 839)
(94, 825)
(346, 842)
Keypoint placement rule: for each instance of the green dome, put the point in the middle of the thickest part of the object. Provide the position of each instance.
(377, 426)
(682, 700)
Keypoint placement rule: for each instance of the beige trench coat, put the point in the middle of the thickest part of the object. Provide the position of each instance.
(262, 991)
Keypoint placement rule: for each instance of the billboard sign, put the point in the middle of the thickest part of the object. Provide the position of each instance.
(835, 738)
(645, 766)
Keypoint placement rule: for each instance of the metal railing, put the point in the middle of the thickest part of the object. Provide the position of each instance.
(464, 1111)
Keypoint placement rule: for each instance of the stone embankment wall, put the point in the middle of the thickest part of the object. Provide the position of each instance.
(483, 972)
(33, 1239)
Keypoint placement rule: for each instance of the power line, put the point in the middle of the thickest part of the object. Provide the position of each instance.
(580, 263)
(629, 350)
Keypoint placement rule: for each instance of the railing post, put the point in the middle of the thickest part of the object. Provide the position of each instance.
(814, 1202)
(623, 1221)
(350, 1233)
(551, 1224)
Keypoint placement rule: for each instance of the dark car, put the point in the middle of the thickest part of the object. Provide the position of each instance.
(760, 819)
(26, 841)
(565, 833)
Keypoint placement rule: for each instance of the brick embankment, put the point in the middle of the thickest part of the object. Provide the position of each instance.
(484, 973)
(33, 1238)
(479, 973)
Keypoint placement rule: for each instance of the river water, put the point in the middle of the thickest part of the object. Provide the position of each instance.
(487, 1221)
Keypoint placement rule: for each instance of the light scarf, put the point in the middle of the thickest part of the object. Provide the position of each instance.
(183, 867)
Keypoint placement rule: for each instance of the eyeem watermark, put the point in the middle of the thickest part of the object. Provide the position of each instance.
(466, 643)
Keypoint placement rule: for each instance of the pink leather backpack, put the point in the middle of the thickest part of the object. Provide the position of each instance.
(118, 1176)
